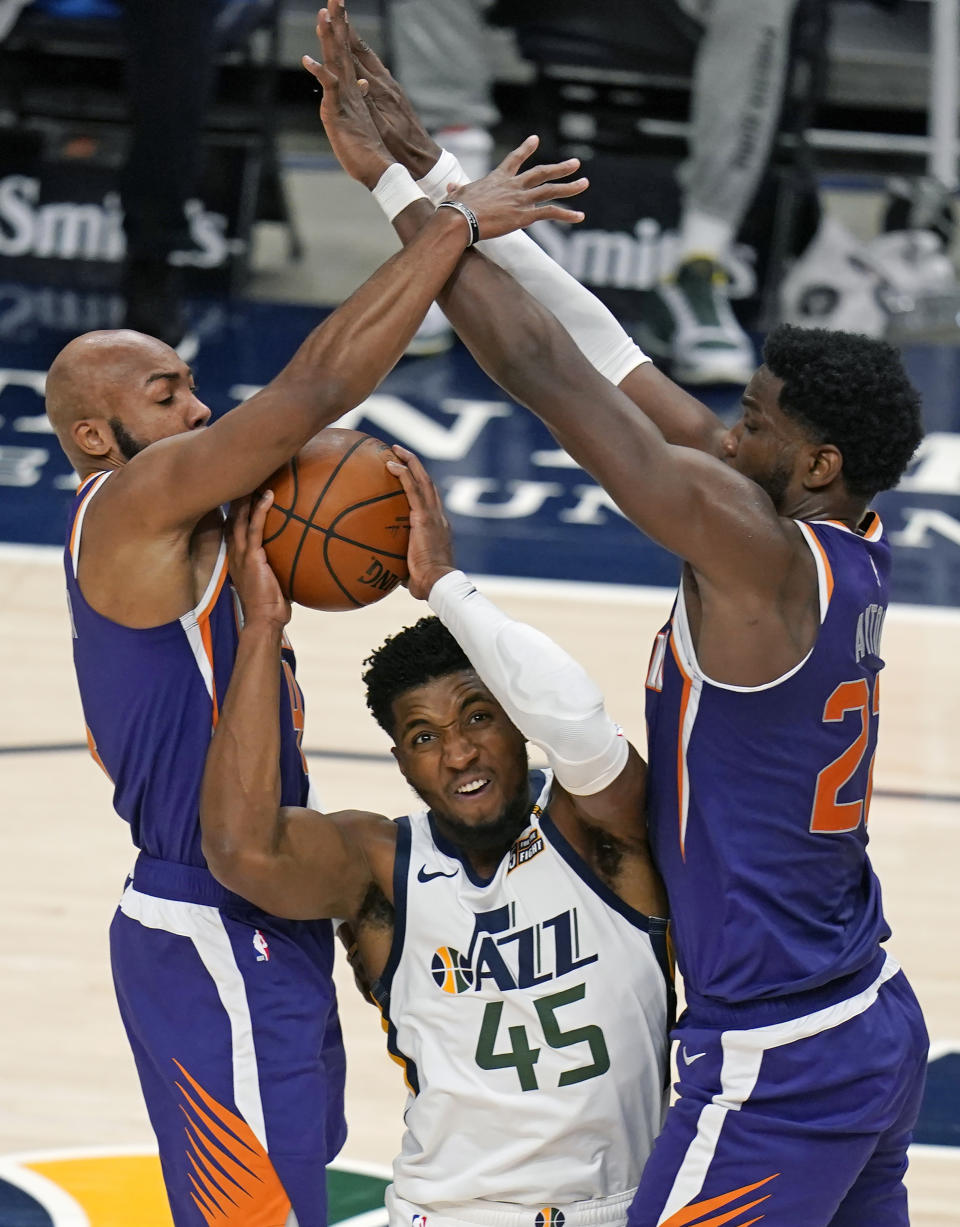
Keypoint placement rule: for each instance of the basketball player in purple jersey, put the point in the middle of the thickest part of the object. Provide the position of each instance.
(230, 1012)
(802, 1051)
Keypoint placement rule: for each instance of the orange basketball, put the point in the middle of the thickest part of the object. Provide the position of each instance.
(336, 534)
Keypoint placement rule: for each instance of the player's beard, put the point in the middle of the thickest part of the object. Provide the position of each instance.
(776, 482)
(129, 446)
(489, 837)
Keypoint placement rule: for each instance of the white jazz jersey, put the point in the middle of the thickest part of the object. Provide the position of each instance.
(531, 1014)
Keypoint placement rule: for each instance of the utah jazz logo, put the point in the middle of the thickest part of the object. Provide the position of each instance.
(451, 971)
(549, 1216)
(509, 956)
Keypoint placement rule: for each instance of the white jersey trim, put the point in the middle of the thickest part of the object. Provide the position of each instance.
(599, 1212)
(687, 656)
(204, 926)
(79, 517)
(743, 1052)
(193, 621)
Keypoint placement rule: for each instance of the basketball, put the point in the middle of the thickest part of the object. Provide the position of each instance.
(336, 534)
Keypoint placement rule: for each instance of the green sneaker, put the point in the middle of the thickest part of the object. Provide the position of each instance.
(689, 324)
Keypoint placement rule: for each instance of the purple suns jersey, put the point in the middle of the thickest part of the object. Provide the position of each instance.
(151, 701)
(758, 796)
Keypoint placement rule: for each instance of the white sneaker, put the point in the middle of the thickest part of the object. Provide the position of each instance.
(688, 322)
(434, 336)
(914, 262)
(840, 282)
(835, 284)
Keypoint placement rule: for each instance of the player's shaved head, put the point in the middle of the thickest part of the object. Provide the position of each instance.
(90, 376)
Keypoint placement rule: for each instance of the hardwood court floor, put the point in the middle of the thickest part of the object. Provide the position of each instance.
(66, 1075)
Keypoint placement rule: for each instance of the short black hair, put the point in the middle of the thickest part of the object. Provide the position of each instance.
(851, 391)
(411, 657)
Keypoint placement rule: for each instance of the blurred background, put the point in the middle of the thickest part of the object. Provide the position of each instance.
(162, 166)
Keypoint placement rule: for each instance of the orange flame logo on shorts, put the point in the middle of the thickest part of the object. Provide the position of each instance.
(234, 1184)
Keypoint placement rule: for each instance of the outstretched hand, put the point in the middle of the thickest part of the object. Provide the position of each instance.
(510, 198)
(346, 117)
(397, 122)
(430, 549)
(251, 574)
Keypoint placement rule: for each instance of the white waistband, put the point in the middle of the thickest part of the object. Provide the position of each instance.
(599, 1212)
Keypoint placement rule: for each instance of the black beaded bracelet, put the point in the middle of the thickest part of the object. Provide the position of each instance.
(468, 213)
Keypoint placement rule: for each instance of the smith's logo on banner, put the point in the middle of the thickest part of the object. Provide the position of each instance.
(631, 260)
(31, 228)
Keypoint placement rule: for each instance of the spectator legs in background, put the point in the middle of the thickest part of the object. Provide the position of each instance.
(736, 98)
(440, 59)
(171, 67)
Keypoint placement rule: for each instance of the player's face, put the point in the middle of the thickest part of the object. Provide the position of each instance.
(457, 748)
(152, 397)
(765, 444)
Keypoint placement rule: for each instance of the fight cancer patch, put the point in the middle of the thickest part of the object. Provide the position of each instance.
(525, 849)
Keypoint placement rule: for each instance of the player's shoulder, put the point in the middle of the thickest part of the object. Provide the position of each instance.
(837, 545)
(365, 827)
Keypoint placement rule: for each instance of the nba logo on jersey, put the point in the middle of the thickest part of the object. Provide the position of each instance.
(261, 947)
(418, 1220)
(549, 1216)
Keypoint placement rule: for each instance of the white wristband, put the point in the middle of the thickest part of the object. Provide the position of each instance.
(396, 190)
(445, 170)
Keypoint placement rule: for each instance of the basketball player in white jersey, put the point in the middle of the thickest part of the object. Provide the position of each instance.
(511, 931)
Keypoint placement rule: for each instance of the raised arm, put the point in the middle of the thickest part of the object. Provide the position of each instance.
(688, 501)
(289, 861)
(341, 362)
(549, 696)
(684, 497)
(681, 418)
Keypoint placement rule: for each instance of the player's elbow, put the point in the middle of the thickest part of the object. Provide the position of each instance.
(322, 396)
(235, 864)
(331, 396)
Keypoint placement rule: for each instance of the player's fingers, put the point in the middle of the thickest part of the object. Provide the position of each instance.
(240, 509)
(258, 518)
(516, 157)
(549, 170)
(337, 16)
(414, 466)
(422, 477)
(551, 191)
(237, 519)
(331, 45)
(368, 59)
(339, 34)
(320, 71)
(555, 213)
(557, 191)
(410, 488)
